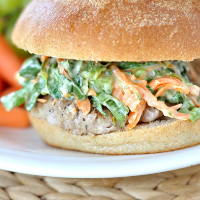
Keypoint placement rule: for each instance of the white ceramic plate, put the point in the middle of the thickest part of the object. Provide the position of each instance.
(22, 150)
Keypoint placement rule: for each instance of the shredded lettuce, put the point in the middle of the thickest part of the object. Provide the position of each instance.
(135, 65)
(53, 84)
(35, 93)
(73, 68)
(67, 86)
(31, 68)
(172, 96)
(104, 83)
(94, 66)
(188, 107)
(96, 75)
(116, 107)
(150, 89)
(84, 72)
(195, 114)
(181, 69)
(140, 72)
(19, 97)
(97, 103)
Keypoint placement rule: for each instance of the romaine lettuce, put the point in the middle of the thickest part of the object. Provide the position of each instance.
(37, 90)
(135, 65)
(19, 97)
(116, 107)
(31, 68)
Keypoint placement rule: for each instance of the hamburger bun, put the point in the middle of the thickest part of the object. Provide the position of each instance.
(111, 30)
(155, 137)
(114, 30)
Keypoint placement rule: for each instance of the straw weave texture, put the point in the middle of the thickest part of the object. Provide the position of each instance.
(182, 184)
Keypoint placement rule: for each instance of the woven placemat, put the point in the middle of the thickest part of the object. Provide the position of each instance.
(182, 184)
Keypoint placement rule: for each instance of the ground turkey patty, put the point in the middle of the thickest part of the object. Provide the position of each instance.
(65, 113)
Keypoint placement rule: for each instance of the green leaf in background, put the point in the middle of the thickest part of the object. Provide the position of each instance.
(8, 26)
(8, 6)
(9, 12)
(31, 68)
(18, 98)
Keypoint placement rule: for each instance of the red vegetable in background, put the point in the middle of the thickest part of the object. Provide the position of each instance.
(10, 63)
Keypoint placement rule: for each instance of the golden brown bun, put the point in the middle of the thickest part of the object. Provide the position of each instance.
(155, 137)
(111, 30)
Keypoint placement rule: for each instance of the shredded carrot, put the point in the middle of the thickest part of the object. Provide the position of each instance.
(155, 84)
(152, 101)
(134, 117)
(170, 86)
(74, 110)
(194, 90)
(43, 58)
(64, 72)
(91, 92)
(117, 92)
(59, 60)
(195, 101)
(171, 66)
(42, 100)
(54, 102)
(130, 99)
(123, 77)
(83, 105)
(66, 95)
(132, 77)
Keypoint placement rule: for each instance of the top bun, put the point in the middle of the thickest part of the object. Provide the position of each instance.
(111, 30)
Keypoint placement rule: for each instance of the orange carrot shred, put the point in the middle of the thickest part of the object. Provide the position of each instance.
(91, 92)
(117, 92)
(134, 117)
(83, 105)
(170, 86)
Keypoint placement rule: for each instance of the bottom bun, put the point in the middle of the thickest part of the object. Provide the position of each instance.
(156, 137)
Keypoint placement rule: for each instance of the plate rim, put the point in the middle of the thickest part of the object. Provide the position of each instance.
(97, 166)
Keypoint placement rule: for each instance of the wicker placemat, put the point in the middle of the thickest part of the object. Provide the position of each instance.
(182, 184)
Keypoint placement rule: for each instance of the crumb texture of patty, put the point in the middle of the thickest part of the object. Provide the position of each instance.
(65, 114)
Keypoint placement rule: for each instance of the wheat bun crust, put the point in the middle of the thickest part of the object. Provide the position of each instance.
(156, 137)
(111, 30)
